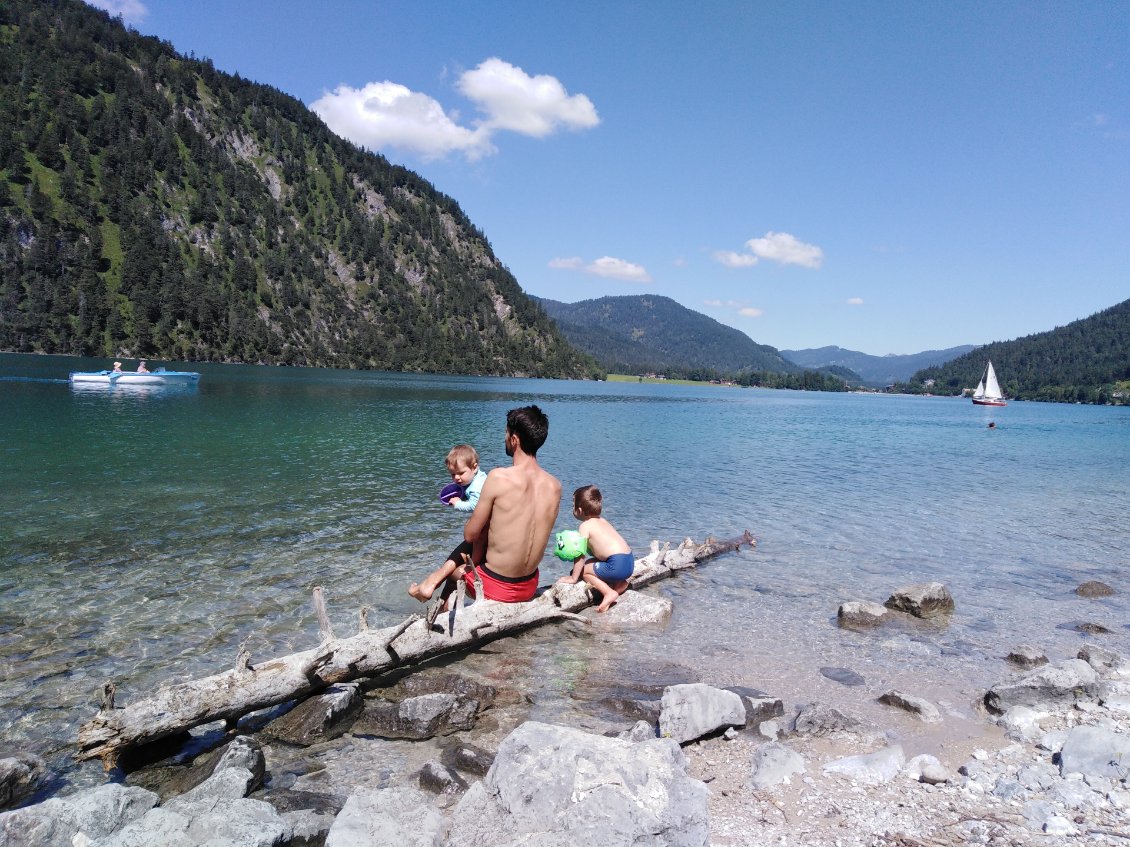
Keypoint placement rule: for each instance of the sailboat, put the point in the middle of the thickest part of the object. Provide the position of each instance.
(988, 391)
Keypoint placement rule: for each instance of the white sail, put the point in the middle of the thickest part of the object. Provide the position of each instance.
(992, 387)
(979, 391)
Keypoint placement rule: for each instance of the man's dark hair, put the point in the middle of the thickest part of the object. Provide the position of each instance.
(531, 426)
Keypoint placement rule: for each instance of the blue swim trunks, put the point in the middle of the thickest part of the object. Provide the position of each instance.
(619, 566)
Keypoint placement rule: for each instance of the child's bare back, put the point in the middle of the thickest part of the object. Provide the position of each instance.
(603, 539)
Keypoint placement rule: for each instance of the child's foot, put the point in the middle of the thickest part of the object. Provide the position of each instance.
(421, 592)
(608, 602)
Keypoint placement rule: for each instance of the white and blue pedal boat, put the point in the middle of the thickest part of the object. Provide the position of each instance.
(113, 379)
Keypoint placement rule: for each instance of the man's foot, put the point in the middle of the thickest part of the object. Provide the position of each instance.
(421, 592)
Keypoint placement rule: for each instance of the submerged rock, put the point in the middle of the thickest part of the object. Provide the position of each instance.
(924, 710)
(1026, 656)
(1094, 588)
(929, 600)
(417, 717)
(320, 718)
(817, 719)
(844, 676)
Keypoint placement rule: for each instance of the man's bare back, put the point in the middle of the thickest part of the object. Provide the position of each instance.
(518, 505)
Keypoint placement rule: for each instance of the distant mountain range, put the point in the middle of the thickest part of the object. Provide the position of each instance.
(875, 371)
(653, 334)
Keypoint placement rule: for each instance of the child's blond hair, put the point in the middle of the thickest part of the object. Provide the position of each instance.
(462, 454)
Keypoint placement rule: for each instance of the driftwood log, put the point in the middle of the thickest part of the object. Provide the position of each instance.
(249, 687)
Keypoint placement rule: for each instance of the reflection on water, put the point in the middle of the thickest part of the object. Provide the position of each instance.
(147, 535)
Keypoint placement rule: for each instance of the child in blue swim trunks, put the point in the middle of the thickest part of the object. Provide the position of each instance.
(611, 562)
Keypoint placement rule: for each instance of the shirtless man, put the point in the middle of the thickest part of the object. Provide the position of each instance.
(514, 517)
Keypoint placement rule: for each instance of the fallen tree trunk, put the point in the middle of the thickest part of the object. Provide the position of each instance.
(250, 687)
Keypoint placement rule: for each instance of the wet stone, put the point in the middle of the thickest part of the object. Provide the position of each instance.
(1094, 588)
(467, 758)
(439, 779)
(843, 676)
(1026, 656)
(417, 718)
(928, 600)
(320, 718)
(1086, 627)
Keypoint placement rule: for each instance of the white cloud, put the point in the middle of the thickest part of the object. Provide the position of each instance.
(735, 260)
(530, 105)
(855, 301)
(750, 312)
(712, 302)
(385, 114)
(130, 11)
(381, 115)
(779, 247)
(606, 266)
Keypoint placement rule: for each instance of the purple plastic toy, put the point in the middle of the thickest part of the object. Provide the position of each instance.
(452, 489)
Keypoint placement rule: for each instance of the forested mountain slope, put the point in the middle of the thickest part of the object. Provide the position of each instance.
(1086, 361)
(153, 206)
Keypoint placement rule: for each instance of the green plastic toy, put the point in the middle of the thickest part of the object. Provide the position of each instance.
(571, 545)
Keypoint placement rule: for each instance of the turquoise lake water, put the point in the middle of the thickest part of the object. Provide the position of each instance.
(147, 534)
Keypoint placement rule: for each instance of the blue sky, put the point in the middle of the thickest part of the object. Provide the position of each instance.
(888, 177)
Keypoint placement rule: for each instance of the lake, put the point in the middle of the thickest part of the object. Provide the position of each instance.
(147, 534)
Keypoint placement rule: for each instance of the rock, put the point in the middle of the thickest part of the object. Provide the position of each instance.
(642, 731)
(553, 785)
(209, 820)
(817, 719)
(388, 817)
(242, 751)
(636, 609)
(1114, 695)
(450, 683)
(1094, 588)
(308, 829)
(761, 709)
(1085, 627)
(928, 600)
(21, 775)
(228, 784)
(860, 614)
(774, 764)
(843, 676)
(633, 709)
(1025, 656)
(1095, 751)
(1057, 684)
(1099, 658)
(439, 779)
(924, 710)
(417, 717)
(769, 729)
(871, 768)
(694, 709)
(56, 822)
(927, 769)
(468, 758)
(1022, 723)
(289, 800)
(320, 718)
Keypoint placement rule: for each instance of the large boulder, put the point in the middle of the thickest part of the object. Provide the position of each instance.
(388, 817)
(553, 786)
(928, 600)
(54, 823)
(694, 709)
(1096, 752)
(1051, 685)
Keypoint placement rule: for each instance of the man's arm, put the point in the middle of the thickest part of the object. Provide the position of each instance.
(480, 518)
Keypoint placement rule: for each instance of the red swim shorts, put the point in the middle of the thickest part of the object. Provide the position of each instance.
(506, 589)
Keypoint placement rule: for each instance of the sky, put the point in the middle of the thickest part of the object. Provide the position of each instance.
(888, 177)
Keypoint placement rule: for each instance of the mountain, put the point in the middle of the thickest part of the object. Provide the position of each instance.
(875, 371)
(652, 334)
(152, 206)
(1086, 361)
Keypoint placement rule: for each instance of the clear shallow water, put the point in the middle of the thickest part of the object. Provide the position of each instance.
(146, 535)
